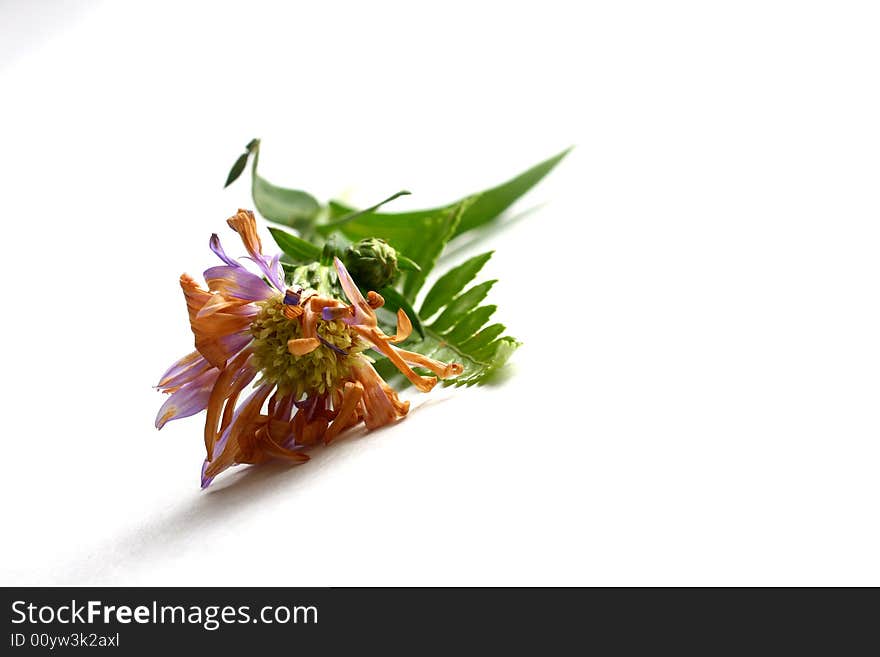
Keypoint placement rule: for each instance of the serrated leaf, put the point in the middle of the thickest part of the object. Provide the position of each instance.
(459, 307)
(495, 355)
(466, 328)
(481, 351)
(458, 335)
(483, 337)
(296, 248)
(451, 283)
(487, 206)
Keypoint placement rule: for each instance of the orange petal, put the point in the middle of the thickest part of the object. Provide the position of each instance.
(423, 383)
(351, 397)
(302, 346)
(216, 303)
(292, 312)
(212, 333)
(245, 225)
(219, 394)
(378, 407)
(437, 367)
(243, 427)
(404, 327)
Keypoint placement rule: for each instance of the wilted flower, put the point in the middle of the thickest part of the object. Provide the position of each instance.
(305, 347)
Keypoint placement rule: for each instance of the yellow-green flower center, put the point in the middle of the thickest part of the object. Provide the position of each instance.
(316, 372)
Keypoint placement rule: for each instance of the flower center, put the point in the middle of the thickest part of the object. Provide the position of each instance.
(316, 372)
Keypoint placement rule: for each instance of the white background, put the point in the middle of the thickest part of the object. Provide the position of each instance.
(697, 398)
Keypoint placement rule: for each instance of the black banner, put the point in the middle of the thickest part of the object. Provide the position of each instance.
(413, 621)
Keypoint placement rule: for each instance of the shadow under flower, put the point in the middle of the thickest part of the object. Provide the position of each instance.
(168, 534)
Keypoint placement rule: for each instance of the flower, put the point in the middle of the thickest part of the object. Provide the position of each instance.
(307, 348)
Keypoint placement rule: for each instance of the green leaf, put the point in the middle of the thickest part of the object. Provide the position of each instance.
(296, 248)
(451, 283)
(394, 300)
(487, 205)
(406, 264)
(291, 207)
(478, 363)
(237, 168)
(491, 203)
(241, 162)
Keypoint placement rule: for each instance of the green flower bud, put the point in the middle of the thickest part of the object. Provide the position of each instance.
(372, 262)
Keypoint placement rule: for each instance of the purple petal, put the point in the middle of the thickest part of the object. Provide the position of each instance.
(292, 298)
(237, 282)
(234, 343)
(329, 313)
(217, 248)
(206, 481)
(363, 314)
(278, 271)
(333, 346)
(189, 400)
(272, 270)
(183, 370)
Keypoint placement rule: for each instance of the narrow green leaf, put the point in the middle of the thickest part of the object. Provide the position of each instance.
(298, 249)
(395, 300)
(451, 283)
(487, 206)
(241, 162)
(491, 203)
(326, 229)
(236, 169)
(429, 247)
(459, 307)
